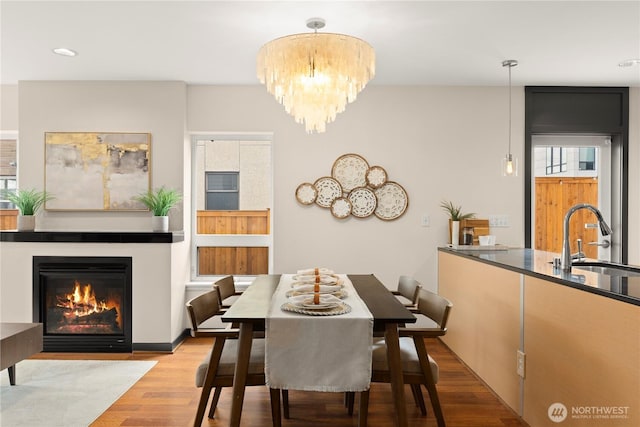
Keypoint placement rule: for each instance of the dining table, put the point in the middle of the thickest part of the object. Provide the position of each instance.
(250, 312)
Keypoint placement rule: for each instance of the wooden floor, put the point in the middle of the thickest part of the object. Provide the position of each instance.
(167, 396)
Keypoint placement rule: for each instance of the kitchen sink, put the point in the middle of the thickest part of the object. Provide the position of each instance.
(608, 268)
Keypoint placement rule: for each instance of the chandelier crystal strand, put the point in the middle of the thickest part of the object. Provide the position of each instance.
(315, 75)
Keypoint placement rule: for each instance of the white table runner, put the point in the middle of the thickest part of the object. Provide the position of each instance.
(318, 353)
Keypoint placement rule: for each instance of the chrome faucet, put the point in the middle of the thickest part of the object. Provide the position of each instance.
(565, 260)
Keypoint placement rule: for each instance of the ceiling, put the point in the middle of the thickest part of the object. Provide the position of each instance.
(416, 42)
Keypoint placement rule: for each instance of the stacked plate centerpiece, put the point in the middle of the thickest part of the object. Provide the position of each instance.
(316, 291)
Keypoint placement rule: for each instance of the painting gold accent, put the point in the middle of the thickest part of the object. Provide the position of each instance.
(96, 170)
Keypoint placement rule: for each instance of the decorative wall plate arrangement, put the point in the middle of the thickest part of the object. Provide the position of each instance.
(356, 189)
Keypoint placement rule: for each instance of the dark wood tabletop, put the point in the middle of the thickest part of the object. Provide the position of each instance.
(255, 302)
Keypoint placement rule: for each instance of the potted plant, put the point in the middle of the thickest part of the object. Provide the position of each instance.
(455, 216)
(28, 203)
(159, 202)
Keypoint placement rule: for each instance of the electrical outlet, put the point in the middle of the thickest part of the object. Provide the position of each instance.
(498, 220)
(521, 363)
(425, 221)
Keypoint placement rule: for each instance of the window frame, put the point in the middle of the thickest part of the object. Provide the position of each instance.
(222, 240)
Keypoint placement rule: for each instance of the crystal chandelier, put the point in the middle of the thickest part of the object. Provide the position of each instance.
(315, 75)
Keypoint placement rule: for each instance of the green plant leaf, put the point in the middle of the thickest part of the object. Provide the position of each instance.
(455, 212)
(159, 201)
(28, 202)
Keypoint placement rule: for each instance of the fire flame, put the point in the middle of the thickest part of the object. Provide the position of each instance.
(82, 302)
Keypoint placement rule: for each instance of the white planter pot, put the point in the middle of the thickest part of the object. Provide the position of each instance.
(455, 232)
(160, 223)
(26, 222)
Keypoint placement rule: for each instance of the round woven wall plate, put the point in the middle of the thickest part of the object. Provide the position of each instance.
(306, 193)
(363, 202)
(376, 176)
(341, 208)
(350, 170)
(392, 201)
(328, 190)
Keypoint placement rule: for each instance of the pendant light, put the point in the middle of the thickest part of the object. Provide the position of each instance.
(509, 162)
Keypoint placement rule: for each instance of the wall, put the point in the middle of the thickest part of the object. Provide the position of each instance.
(438, 142)
(154, 107)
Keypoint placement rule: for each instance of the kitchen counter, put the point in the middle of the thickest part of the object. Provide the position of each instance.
(538, 336)
(539, 264)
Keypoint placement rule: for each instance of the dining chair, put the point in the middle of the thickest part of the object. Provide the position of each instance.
(407, 291)
(227, 292)
(417, 366)
(218, 367)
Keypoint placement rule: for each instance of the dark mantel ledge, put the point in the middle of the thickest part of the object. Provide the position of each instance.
(91, 236)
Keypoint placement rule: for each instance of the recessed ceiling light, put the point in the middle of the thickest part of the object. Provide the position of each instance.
(64, 51)
(629, 62)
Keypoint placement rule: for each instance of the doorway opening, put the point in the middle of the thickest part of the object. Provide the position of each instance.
(568, 170)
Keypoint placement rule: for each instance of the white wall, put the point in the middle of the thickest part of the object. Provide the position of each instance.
(154, 107)
(437, 142)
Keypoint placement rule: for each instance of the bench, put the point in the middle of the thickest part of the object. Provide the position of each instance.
(18, 341)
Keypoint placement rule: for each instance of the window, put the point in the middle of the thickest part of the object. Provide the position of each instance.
(556, 160)
(587, 158)
(222, 191)
(8, 168)
(231, 211)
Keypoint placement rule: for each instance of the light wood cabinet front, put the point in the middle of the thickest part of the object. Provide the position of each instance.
(583, 350)
(484, 326)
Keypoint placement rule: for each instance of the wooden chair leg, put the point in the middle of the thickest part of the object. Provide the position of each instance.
(276, 417)
(202, 405)
(285, 403)
(363, 409)
(349, 400)
(418, 398)
(435, 402)
(214, 402)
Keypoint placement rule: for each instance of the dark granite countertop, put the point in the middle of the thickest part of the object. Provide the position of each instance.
(91, 237)
(539, 264)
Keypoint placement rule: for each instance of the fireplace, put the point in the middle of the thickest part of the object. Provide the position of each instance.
(84, 303)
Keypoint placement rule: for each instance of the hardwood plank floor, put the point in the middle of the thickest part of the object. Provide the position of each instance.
(167, 396)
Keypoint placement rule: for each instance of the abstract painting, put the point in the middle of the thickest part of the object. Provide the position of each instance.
(96, 170)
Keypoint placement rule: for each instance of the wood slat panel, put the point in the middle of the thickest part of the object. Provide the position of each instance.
(233, 222)
(554, 196)
(8, 219)
(233, 260)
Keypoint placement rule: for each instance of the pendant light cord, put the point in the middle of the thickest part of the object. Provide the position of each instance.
(510, 66)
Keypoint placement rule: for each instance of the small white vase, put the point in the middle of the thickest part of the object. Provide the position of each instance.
(160, 223)
(455, 232)
(26, 222)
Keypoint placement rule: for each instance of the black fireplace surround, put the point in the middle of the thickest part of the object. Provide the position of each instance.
(84, 303)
